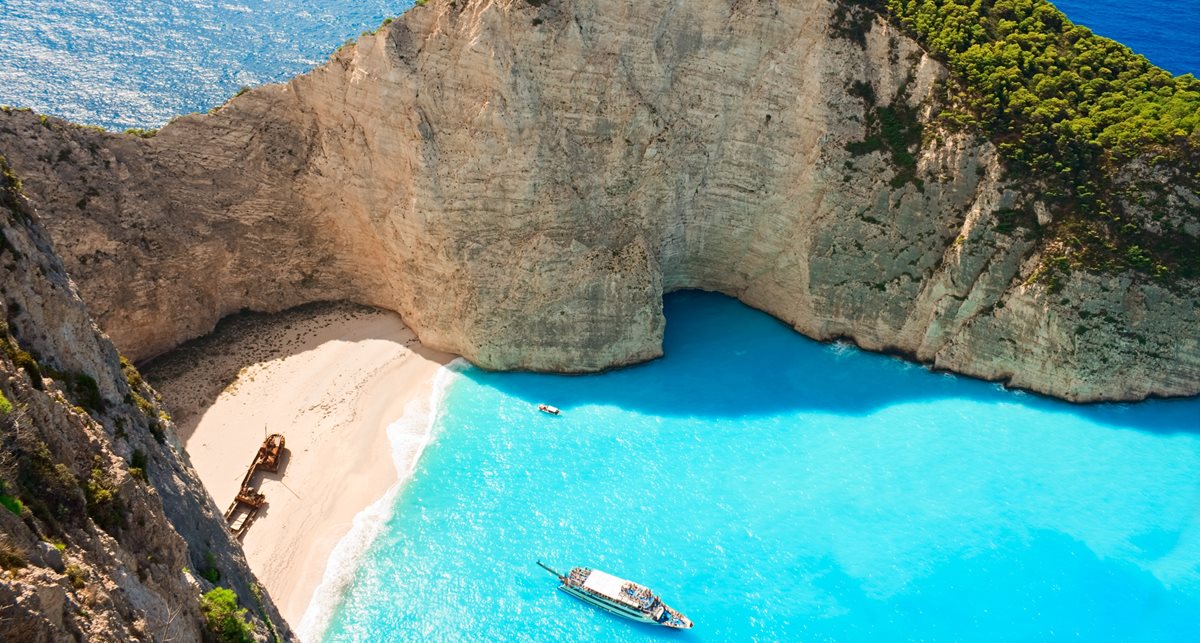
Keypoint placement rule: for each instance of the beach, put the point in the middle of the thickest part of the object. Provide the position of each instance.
(331, 378)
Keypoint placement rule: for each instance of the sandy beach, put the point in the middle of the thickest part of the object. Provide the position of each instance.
(331, 378)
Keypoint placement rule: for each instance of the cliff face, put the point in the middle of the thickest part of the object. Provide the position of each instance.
(103, 519)
(522, 181)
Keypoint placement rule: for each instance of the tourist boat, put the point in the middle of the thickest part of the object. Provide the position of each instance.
(546, 408)
(619, 596)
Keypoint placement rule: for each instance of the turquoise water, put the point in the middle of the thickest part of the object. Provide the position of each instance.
(769, 487)
(774, 488)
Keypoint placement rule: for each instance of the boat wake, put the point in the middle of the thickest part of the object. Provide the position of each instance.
(409, 436)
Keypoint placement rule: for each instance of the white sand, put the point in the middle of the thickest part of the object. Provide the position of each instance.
(331, 382)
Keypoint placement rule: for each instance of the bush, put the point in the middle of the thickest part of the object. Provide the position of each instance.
(77, 575)
(210, 572)
(225, 620)
(47, 487)
(12, 503)
(132, 376)
(1069, 110)
(11, 556)
(86, 392)
(137, 465)
(23, 359)
(6, 407)
(103, 504)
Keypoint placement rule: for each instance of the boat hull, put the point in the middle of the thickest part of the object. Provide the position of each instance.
(608, 607)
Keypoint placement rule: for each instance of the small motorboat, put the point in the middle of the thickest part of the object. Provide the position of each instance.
(546, 408)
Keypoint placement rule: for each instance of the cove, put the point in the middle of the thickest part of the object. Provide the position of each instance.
(775, 488)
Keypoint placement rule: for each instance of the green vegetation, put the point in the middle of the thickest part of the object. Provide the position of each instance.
(1068, 110)
(132, 376)
(895, 129)
(11, 557)
(210, 572)
(103, 504)
(138, 464)
(84, 391)
(77, 575)
(156, 417)
(6, 407)
(22, 359)
(11, 194)
(11, 503)
(47, 488)
(226, 622)
(262, 611)
(144, 133)
(10, 185)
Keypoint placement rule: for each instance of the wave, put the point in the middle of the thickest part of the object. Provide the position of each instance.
(409, 436)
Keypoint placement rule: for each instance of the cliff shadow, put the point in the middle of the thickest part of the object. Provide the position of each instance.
(191, 377)
(724, 359)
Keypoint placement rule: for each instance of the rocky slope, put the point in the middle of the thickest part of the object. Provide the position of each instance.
(522, 181)
(103, 520)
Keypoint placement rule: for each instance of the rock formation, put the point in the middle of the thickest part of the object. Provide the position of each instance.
(522, 181)
(106, 532)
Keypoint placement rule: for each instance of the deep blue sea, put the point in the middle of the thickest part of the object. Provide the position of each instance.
(777, 489)
(770, 487)
(137, 63)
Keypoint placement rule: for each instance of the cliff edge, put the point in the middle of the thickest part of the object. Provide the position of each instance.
(522, 181)
(106, 533)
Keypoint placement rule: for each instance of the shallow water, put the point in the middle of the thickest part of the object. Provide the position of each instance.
(774, 488)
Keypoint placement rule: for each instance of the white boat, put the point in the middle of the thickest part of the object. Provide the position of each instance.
(546, 408)
(619, 596)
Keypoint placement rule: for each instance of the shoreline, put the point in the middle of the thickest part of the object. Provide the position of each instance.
(409, 436)
(347, 386)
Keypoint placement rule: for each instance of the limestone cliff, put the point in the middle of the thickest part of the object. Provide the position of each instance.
(105, 530)
(522, 181)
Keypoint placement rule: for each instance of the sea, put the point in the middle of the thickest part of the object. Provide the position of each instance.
(770, 487)
(138, 63)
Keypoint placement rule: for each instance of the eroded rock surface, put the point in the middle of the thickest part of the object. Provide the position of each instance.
(105, 527)
(523, 181)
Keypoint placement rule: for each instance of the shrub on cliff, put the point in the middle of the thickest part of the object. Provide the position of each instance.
(1068, 110)
(226, 622)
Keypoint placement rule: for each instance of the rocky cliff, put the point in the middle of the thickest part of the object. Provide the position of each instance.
(106, 533)
(523, 181)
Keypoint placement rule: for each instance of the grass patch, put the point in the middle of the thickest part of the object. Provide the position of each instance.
(12, 503)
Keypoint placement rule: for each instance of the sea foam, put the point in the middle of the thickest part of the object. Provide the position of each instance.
(408, 436)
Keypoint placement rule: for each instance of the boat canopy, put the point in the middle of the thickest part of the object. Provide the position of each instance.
(610, 586)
